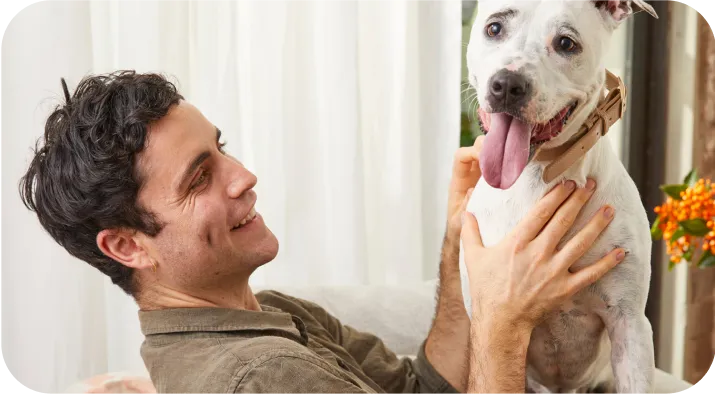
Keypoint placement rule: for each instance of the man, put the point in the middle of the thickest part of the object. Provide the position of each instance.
(134, 180)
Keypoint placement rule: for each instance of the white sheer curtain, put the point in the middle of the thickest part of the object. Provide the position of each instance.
(348, 112)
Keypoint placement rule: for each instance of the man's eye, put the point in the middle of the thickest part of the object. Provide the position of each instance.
(221, 146)
(201, 179)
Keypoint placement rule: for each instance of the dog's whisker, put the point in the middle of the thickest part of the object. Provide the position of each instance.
(469, 98)
(475, 103)
(472, 103)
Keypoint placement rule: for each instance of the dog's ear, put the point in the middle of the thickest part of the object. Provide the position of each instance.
(620, 10)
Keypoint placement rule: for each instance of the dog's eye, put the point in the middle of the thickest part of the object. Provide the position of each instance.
(493, 29)
(567, 45)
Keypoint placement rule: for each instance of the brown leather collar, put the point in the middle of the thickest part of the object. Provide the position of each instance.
(609, 110)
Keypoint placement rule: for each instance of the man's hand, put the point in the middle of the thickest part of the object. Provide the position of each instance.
(465, 174)
(515, 283)
(524, 276)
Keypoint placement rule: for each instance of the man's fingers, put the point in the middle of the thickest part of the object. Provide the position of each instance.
(577, 246)
(589, 275)
(464, 161)
(565, 216)
(479, 142)
(455, 221)
(470, 231)
(465, 201)
(539, 215)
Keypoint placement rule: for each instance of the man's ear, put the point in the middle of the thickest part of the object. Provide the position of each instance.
(620, 10)
(123, 246)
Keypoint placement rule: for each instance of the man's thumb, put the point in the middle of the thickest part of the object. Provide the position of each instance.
(470, 229)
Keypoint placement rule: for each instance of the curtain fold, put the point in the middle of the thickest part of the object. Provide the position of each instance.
(348, 112)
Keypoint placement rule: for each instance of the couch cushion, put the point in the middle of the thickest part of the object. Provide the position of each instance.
(114, 382)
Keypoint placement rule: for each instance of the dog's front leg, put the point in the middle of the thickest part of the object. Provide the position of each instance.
(632, 355)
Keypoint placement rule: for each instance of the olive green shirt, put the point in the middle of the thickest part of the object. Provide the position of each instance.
(292, 345)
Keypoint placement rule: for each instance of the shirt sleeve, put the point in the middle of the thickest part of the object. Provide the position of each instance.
(294, 373)
(392, 374)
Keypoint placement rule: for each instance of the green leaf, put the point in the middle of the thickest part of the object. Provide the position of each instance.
(677, 234)
(691, 178)
(655, 232)
(707, 260)
(674, 190)
(688, 255)
(671, 265)
(696, 227)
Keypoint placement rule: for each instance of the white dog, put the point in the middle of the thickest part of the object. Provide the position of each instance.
(534, 64)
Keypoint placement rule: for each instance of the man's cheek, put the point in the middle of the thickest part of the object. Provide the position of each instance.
(207, 223)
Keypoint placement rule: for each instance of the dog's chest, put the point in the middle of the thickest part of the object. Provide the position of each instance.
(499, 211)
(568, 344)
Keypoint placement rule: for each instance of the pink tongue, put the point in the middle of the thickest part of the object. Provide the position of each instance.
(505, 151)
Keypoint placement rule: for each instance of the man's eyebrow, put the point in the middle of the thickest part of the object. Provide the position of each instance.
(504, 14)
(198, 160)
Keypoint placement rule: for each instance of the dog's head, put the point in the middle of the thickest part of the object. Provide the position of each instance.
(532, 63)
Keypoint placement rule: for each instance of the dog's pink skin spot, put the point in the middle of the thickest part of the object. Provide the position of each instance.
(620, 14)
(515, 65)
(619, 9)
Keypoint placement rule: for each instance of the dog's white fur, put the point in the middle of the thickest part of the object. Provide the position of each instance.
(601, 337)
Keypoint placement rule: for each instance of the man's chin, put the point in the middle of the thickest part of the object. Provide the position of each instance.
(266, 250)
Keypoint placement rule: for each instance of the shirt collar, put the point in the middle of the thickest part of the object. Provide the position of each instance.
(269, 319)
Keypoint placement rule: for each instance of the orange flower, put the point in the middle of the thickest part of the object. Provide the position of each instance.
(697, 202)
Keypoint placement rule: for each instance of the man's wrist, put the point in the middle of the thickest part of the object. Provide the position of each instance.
(450, 243)
(496, 330)
(497, 359)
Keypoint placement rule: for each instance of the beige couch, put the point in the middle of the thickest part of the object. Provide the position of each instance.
(400, 315)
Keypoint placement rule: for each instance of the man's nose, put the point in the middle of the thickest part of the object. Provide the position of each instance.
(241, 180)
(508, 90)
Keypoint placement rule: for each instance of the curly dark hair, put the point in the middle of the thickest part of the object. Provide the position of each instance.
(84, 178)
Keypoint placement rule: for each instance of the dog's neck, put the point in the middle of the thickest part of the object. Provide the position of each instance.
(609, 109)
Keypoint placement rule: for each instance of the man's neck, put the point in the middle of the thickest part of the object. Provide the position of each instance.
(238, 296)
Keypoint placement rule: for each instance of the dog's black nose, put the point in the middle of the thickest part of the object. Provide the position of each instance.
(508, 91)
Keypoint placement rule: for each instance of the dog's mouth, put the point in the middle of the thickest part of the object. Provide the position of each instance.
(540, 132)
(545, 132)
(510, 142)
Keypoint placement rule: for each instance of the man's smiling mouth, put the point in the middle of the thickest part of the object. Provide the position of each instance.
(249, 218)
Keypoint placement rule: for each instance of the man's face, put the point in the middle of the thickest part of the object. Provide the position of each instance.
(201, 196)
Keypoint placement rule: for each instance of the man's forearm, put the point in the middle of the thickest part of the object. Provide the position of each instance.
(448, 340)
(497, 357)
